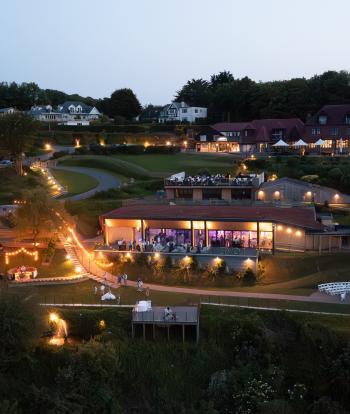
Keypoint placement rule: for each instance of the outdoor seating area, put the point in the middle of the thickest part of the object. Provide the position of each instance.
(22, 273)
(337, 288)
(211, 180)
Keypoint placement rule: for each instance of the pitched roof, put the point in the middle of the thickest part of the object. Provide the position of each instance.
(64, 107)
(335, 114)
(296, 216)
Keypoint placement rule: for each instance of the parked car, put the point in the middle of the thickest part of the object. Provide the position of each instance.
(5, 163)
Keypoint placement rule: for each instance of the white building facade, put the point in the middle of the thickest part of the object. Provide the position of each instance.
(70, 113)
(181, 112)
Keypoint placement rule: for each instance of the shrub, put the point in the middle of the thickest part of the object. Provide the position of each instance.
(249, 277)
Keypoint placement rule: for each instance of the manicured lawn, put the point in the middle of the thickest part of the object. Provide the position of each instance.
(156, 165)
(76, 183)
(188, 162)
(59, 265)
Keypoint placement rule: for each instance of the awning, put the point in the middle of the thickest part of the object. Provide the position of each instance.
(300, 143)
(280, 143)
(320, 142)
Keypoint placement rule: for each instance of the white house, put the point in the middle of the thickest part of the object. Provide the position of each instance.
(5, 111)
(70, 113)
(181, 112)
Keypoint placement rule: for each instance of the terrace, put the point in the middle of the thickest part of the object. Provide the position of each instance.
(217, 180)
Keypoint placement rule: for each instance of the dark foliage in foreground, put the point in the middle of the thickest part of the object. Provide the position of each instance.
(246, 363)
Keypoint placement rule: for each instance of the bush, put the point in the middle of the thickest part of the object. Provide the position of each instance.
(249, 277)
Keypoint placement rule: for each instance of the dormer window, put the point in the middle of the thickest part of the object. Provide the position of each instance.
(322, 119)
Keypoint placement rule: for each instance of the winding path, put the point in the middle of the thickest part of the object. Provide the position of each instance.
(105, 179)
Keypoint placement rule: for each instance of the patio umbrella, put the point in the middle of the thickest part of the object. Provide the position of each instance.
(300, 143)
(320, 142)
(280, 143)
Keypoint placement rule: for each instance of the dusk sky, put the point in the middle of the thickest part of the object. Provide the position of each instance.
(155, 46)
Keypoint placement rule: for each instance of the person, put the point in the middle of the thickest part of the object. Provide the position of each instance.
(168, 313)
(140, 286)
(102, 288)
(125, 277)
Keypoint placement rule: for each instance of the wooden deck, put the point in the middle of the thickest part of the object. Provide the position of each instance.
(181, 316)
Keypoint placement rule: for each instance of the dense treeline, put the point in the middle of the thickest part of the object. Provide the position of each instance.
(227, 98)
(231, 99)
(246, 363)
(24, 95)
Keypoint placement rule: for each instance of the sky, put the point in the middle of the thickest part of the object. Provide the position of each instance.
(155, 46)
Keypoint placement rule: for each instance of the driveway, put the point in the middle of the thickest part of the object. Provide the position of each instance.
(105, 179)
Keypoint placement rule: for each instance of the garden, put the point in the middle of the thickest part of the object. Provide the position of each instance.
(245, 363)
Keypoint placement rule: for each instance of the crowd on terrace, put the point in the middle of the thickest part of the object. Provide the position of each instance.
(210, 180)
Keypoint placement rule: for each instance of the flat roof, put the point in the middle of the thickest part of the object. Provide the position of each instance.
(295, 216)
(182, 314)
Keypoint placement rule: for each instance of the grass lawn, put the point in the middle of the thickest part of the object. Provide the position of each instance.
(76, 183)
(84, 293)
(59, 266)
(156, 165)
(188, 162)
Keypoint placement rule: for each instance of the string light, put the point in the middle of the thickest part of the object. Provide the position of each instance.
(104, 265)
(34, 254)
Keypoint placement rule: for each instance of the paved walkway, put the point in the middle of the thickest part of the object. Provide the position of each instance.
(105, 179)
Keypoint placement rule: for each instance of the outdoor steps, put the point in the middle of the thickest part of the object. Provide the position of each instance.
(73, 257)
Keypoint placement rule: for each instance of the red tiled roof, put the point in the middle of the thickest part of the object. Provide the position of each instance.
(297, 216)
(335, 114)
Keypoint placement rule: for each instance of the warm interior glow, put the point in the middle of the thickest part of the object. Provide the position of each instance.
(298, 233)
(53, 317)
(308, 194)
(67, 256)
(279, 227)
(168, 143)
(336, 196)
(156, 255)
(289, 230)
(48, 147)
(78, 269)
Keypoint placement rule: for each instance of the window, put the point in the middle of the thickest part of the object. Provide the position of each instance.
(236, 133)
(334, 132)
(347, 119)
(315, 131)
(196, 111)
(203, 138)
(184, 111)
(277, 134)
(322, 119)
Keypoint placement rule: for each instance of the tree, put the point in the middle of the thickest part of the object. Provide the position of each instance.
(17, 133)
(123, 102)
(16, 329)
(37, 214)
(195, 92)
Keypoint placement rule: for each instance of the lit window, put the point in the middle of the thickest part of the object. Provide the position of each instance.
(322, 119)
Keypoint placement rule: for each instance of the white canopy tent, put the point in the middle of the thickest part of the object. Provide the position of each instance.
(280, 143)
(179, 176)
(108, 296)
(300, 143)
(320, 142)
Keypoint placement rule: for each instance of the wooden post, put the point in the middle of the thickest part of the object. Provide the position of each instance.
(144, 331)
(142, 231)
(132, 330)
(192, 234)
(154, 331)
(168, 332)
(183, 333)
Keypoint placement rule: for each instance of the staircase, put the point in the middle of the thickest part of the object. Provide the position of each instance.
(93, 272)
